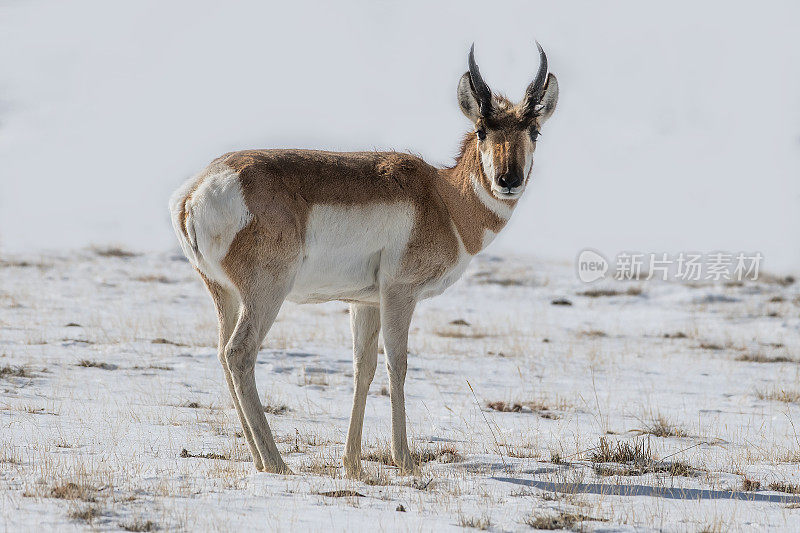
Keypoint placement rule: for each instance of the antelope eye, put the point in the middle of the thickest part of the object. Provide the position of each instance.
(481, 133)
(534, 134)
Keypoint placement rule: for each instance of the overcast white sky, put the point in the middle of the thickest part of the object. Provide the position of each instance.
(678, 126)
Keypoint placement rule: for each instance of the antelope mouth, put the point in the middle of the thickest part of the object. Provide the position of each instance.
(507, 193)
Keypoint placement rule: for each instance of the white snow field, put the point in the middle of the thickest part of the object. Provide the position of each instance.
(114, 413)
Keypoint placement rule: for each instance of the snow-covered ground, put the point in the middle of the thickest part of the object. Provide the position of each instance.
(110, 389)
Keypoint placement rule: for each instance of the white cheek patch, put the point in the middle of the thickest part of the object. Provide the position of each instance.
(487, 160)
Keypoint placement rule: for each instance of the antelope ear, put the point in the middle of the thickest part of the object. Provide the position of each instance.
(549, 99)
(467, 100)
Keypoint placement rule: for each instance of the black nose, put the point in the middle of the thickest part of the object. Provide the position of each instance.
(509, 180)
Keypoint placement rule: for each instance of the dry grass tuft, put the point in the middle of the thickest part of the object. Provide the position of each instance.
(320, 466)
(161, 340)
(139, 525)
(635, 459)
(153, 278)
(779, 395)
(153, 367)
(594, 333)
(443, 453)
(788, 488)
(375, 478)
(187, 454)
(749, 484)
(597, 293)
(277, 409)
(761, 358)
(86, 513)
(637, 452)
(482, 523)
(73, 491)
(14, 371)
(661, 427)
(87, 363)
(783, 281)
(711, 346)
(538, 407)
(113, 251)
(341, 493)
(562, 520)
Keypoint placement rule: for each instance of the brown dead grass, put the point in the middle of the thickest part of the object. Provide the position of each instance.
(482, 523)
(749, 484)
(187, 454)
(153, 278)
(444, 453)
(761, 358)
(559, 520)
(788, 488)
(14, 371)
(633, 458)
(598, 293)
(593, 333)
(660, 426)
(139, 525)
(69, 490)
(637, 451)
(161, 340)
(537, 407)
(87, 363)
(779, 395)
(276, 409)
(87, 513)
(113, 251)
(458, 333)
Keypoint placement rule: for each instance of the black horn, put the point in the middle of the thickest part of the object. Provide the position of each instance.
(482, 91)
(534, 92)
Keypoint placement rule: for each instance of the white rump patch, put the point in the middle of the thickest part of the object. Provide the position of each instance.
(216, 212)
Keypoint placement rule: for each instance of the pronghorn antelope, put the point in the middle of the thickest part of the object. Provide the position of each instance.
(379, 230)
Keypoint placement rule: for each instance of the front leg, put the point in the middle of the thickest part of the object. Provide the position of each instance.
(365, 321)
(397, 306)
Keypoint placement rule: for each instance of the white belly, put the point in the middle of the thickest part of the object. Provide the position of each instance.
(348, 247)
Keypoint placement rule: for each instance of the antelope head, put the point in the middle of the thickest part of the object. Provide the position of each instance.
(506, 133)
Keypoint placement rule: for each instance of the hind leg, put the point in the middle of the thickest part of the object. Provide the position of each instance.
(259, 307)
(365, 321)
(227, 304)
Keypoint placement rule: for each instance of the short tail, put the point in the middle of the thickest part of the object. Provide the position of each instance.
(180, 212)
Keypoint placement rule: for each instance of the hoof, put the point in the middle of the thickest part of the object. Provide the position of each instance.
(407, 467)
(352, 470)
(280, 468)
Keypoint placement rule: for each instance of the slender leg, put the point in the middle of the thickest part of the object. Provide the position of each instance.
(227, 305)
(365, 321)
(397, 306)
(256, 315)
